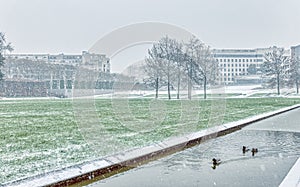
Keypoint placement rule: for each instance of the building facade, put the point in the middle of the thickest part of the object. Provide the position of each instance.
(295, 51)
(53, 73)
(237, 65)
(97, 61)
(86, 59)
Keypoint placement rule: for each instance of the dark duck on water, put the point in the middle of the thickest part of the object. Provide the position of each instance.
(245, 149)
(215, 162)
(254, 151)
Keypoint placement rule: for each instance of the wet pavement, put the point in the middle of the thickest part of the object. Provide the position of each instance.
(277, 140)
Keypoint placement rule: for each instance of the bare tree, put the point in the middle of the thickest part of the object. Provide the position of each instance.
(190, 58)
(201, 66)
(294, 73)
(153, 69)
(177, 60)
(275, 66)
(160, 63)
(4, 46)
(206, 66)
(167, 47)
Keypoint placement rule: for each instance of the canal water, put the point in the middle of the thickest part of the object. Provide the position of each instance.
(277, 140)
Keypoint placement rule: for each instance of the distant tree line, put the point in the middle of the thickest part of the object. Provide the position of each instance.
(178, 65)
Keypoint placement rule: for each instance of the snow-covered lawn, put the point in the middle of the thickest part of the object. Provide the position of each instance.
(37, 136)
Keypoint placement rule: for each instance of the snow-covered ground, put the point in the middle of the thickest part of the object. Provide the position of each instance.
(222, 91)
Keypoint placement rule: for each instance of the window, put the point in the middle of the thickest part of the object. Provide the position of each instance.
(240, 60)
(61, 84)
(224, 60)
(220, 60)
(69, 84)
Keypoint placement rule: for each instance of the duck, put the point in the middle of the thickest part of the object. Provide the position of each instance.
(245, 149)
(216, 161)
(254, 150)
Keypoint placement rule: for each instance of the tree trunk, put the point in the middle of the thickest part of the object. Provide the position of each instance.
(278, 85)
(178, 85)
(189, 89)
(297, 86)
(169, 91)
(156, 88)
(190, 82)
(204, 87)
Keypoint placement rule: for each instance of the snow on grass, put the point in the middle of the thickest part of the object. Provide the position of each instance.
(37, 136)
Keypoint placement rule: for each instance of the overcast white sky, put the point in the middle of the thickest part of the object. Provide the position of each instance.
(71, 26)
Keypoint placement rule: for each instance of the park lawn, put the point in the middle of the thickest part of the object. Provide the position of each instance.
(37, 136)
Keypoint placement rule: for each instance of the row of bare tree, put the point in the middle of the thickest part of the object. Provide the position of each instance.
(178, 65)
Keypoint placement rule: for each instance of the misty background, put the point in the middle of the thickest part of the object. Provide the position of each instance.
(71, 26)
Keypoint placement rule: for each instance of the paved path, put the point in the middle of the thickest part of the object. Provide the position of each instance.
(289, 121)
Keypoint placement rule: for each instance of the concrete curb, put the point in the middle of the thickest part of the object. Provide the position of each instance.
(115, 163)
